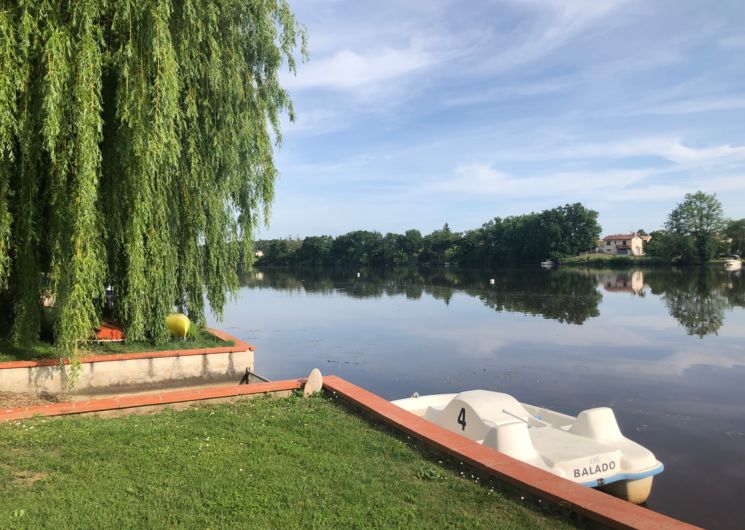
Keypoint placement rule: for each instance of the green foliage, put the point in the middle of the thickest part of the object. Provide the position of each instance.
(693, 225)
(278, 251)
(314, 251)
(559, 232)
(671, 247)
(136, 149)
(439, 247)
(735, 231)
(360, 247)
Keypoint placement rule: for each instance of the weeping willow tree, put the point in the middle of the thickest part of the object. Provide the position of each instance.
(136, 150)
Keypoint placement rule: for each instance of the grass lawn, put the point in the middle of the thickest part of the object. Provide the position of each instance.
(198, 338)
(604, 260)
(262, 463)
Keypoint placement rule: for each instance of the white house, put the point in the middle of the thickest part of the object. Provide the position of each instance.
(623, 244)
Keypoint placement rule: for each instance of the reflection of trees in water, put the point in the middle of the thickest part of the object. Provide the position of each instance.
(698, 298)
(560, 295)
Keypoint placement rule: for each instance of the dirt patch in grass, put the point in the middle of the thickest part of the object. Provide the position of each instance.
(12, 400)
(27, 478)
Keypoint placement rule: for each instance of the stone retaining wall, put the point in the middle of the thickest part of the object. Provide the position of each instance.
(110, 373)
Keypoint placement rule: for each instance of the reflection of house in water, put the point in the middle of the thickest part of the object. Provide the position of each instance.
(623, 282)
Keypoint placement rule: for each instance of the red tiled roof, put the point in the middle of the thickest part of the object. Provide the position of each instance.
(619, 236)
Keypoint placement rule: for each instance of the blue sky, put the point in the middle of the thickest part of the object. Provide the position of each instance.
(412, 114)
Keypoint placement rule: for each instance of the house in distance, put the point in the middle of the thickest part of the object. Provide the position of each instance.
(623, 244)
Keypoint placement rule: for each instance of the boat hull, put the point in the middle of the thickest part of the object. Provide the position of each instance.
(588, 449)
(636, 491)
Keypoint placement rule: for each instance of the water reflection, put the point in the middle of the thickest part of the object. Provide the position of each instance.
(623, 282)
(697, 298)
(561, 295)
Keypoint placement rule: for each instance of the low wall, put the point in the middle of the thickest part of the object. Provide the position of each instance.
(107, 373)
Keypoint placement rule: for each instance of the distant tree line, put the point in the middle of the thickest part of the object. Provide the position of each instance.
(550, 234)
(696, 231)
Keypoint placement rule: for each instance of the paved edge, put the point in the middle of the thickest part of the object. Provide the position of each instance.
(147, 400)
(594, 505)
(238, 346)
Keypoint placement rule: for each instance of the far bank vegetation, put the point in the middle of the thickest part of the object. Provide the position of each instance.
(551, 234)
(696, 231)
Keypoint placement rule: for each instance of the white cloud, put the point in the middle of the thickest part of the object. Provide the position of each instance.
(733, 41)
(697, 105)
(472, 178)
(314, 121)
(480, 179)
(675, 191)
(356, 61)
(554, 23)
(671, 149)
(527, 89)
(347, 70)
(607, 185)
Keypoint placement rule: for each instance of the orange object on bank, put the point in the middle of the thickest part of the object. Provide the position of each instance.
(109, 332)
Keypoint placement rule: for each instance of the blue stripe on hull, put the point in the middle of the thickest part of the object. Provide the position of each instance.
(625, 476)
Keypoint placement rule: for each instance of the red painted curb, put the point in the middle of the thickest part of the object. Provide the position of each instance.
(238, 346)
(147, 400)
(591, 503)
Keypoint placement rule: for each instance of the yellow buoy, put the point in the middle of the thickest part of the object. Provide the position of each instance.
(178, 324)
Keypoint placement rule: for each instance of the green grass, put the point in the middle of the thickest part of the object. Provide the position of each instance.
(606, 260)
(263, 463)
(198, 338)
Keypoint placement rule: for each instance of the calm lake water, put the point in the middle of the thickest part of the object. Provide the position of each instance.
(664, 348)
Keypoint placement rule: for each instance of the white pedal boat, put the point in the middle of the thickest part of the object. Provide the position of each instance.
(589, 449)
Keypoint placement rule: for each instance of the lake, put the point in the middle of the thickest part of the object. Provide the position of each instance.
(664, 348)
